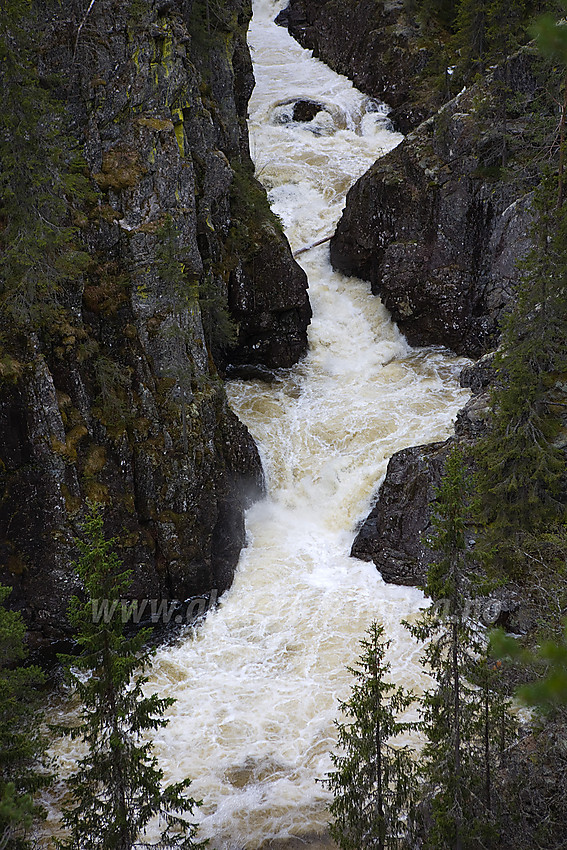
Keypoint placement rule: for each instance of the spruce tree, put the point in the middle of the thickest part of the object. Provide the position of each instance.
(506, 28)
(520, 467)
(471, 36)
(22, 746)
(40, 176)
(461, 715)
(551, 39)
(450, 648)
(486, 32)
(373, 778)
(117, 788)
(436, 12)
(493, 729)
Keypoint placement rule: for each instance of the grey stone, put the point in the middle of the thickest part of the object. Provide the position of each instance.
(435, 232)
(121, 402)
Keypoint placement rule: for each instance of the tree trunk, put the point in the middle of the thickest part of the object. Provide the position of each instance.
(560, 180)
(457, 738)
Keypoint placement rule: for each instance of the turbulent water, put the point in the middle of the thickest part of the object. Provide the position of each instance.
(257, 685)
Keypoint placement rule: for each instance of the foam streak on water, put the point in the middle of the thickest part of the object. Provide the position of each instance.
(257, 686)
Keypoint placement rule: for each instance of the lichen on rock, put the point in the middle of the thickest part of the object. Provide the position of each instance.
(121, 400)
(438, 224)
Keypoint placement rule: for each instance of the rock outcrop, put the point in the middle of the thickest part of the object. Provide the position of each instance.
(394, 535)
(438, 224)
(376, 45)
(119, 399)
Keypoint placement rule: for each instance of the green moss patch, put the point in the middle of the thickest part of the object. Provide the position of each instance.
(121, 169)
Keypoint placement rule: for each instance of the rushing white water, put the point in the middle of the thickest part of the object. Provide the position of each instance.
(257, 685)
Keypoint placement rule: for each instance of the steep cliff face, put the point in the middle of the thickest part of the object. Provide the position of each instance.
(375, 44)
(394, 535)
(438, 225)
(119, 399)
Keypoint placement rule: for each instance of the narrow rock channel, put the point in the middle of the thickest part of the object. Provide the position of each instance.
(257, 685)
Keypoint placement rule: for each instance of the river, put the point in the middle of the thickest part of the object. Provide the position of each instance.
(257, 684)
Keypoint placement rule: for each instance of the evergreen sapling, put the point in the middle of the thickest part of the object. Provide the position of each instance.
(117, 787)
(23, 766)
(372, 782)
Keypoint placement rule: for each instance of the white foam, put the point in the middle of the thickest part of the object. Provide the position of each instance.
(257, 685)
(261, 681)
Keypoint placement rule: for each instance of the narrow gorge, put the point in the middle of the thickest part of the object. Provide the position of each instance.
(283, 301)
(276, 309)
(257, 684)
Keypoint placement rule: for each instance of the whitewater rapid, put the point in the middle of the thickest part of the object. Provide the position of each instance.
(257, 685)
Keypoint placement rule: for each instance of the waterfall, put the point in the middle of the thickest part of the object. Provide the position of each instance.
(257, 684)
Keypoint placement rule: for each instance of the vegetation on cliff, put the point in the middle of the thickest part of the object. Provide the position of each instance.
(466, 39)
(454, 801)
(509, 524)
(483, 780)
(521, 461)
(23, 763)
(116, 790)
(465, 719)
(41, 182)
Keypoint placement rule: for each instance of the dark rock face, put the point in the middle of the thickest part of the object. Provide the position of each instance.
(374, 44)
(119, 400)
(394, 536)
(434, 228)
(480, 375)
(267, 298)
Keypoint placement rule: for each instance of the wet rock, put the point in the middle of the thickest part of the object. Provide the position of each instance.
(272, 320)
(433, 227)
(479, 375)
(394, 534)
(474, 418)
(250, 372)
(119, 400)
(306, 110)
(504, 609)
(313, 841)
(472, 421)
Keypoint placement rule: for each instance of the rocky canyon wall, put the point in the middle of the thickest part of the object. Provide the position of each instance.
(438, 226)
(120, 400)
(375, 44)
